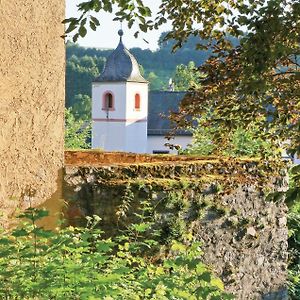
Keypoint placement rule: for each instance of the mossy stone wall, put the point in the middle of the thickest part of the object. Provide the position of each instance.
(221, 202)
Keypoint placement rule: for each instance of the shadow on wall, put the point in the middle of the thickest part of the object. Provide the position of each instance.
(55, 206)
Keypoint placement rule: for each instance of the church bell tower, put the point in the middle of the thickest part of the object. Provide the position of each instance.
(120, 104)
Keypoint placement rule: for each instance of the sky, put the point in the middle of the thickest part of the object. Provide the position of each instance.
(106, 35)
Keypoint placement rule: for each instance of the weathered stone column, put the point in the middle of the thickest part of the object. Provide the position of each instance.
(32, 76)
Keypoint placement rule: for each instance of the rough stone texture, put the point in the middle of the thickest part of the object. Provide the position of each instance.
(32, 101)
(244, 237)
(248, 247)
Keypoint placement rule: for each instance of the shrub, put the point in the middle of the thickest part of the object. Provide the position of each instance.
(77, 263)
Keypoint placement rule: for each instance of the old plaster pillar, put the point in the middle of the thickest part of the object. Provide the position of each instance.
(32, 76)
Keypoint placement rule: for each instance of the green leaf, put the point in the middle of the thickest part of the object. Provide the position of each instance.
(206, 276)
(292, 196)
(295, 170)
(103, 246)
(71, 27)
(275, 197)
(42, 232)
(20, 232)
(75, 37)
(95, 20)
(82, 31)
(110, 278)
(93, 26)
(176, 246)
(69, 20)
(218, 283)
(143, 27)
(5, 241)
(141, 227)
(201, 268)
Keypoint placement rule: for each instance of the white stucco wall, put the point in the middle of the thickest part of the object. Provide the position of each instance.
(136, 132)
(110, 136)
(124, 128)
(132, 89)
(136, 137)
(118, 89)
(156, 143)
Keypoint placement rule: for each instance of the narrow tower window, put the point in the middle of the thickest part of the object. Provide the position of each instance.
(137, 102)
(108, 102)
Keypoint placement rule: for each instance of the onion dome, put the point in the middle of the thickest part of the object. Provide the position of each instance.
(121, 65)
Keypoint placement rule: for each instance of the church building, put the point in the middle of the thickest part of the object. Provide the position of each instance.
(126, 117)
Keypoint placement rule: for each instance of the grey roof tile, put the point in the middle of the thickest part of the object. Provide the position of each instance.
(161, 103)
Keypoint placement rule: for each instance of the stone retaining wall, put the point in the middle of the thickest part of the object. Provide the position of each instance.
(220, 201)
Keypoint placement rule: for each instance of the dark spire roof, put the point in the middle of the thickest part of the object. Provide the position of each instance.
(121, 66)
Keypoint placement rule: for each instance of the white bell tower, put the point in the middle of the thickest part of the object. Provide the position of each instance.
(120, 104)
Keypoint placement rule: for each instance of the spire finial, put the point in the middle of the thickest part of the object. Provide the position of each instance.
(121, 32)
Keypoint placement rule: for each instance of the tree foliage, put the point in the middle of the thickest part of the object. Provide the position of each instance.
(251, 84)
(77, 132)
(256, 81)
(186, 77)
(82, 107)
(80, 72)
(125, 10)
(241, 143)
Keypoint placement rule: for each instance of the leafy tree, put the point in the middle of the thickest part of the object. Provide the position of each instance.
(77, 132)
(155, 82)
(254, 82)
(82, 107)
(80, 72)
(202, 143)
(241, 143)
(186, 77)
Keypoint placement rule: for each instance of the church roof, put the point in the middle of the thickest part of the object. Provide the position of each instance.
(121, 65)
(161, 103)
